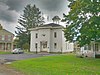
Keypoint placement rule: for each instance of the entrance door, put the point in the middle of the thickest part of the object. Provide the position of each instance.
(44, 46)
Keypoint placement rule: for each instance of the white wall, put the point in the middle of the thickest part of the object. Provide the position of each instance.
(44, 38)
(33, 41)
(67, 46)
(49, 37)
(57, 40)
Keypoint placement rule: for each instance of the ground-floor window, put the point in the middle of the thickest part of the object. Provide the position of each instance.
(67, 46)
(8, 46)
(87, 47)
(55, 45)
(36, 45)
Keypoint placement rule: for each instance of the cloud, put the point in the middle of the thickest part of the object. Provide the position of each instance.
(51, 5)
(10, 10)
(6, 14)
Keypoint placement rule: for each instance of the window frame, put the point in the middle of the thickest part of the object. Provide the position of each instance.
(55, 34)
(55, 45)
(36, 35)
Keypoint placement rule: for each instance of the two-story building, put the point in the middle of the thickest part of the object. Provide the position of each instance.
(49, 38)
(6, 39)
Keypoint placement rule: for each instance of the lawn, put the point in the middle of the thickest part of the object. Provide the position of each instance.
(58, 65)
(2, 52)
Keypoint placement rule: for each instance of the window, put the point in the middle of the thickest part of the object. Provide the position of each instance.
(67, 46)
(36, 35)
(87, 47)
(43, 34)
(55, 45)
(3, 37)
(55, 34)
(36, 45)
(9, 37)
(9, 46)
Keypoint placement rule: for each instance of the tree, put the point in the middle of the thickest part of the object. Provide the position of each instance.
(26, 46)
(83, 21)
(30, 18)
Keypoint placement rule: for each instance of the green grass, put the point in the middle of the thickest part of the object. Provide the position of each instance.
(2, 52)
(58, 65)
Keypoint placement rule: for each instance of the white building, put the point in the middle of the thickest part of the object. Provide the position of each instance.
(49, 38)
(91, 50)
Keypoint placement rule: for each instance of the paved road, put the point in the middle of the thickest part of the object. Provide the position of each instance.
(20, 56)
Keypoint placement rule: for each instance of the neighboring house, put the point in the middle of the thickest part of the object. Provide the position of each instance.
(91, 50)
(76, 47)
(49, 38)
(6, 39)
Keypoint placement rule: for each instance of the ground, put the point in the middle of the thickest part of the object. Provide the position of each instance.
(5, 70)
(60, 64)
(63, 64)
(8, 57)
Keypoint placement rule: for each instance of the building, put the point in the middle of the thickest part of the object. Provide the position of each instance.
(6, 39)
(91, 50)
(49, 38)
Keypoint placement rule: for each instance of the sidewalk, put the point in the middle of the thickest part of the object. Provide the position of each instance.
(6, 70)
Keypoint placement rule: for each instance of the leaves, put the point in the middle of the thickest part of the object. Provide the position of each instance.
(84, 21)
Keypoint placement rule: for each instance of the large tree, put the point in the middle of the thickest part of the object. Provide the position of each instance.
(83, 21)
(30, 18)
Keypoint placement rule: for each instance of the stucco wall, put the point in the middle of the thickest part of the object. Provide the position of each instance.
(51, 40)
(57, 40)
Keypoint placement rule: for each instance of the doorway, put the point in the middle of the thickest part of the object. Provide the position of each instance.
(43, 46)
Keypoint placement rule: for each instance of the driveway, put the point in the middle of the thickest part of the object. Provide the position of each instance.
(13, 57)
(18, 56)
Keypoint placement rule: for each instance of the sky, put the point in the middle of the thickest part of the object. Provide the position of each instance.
(10, 10)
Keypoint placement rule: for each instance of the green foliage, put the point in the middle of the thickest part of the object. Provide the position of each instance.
(25, 46)
(30, 18)
(83, 21)
(58, 65)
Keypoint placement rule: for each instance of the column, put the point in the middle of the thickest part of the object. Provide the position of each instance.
(11, 46)
(5, 45)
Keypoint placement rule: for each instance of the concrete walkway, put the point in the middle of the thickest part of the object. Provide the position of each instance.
(5, 70)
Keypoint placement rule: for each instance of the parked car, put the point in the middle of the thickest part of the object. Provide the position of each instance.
(17, 51)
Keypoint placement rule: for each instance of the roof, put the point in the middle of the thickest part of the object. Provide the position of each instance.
(48, 26)
(4, 31)
(51, 24)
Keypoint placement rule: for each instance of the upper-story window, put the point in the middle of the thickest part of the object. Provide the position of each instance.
(9, 37)
(55, 34)
(3, 37)
(36, 35)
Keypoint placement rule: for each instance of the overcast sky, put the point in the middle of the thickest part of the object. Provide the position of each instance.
(10, 10)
